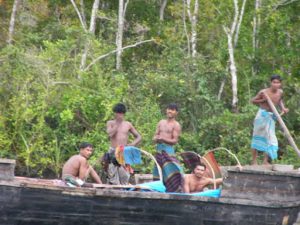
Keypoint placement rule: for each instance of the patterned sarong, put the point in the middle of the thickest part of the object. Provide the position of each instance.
(264, 137)
(171, 170)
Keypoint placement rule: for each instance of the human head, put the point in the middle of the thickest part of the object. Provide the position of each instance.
(119, 110)
(172, 110)
(199, 169)
(86, 149)
(275, 81)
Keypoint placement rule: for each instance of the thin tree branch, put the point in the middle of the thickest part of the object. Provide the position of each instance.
(79, 15)
(114, 51)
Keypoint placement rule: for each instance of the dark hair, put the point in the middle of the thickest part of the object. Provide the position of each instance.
(198, 164)
(173, 106)
(275, 77)
(119, 108)
(85, 145)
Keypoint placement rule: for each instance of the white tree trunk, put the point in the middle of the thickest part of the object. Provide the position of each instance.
(162, 9)
(79, 15)
(92, 29)
(232, 39)
(241, 15)
(233, 70)
(119, 36)
(193, 17)
(185, 28)
(12, 21)
(82, 11)
(256, 25)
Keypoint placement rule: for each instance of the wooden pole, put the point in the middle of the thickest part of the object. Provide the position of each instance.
(282, 124)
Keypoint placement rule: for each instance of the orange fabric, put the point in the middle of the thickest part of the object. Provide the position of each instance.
(119, 154)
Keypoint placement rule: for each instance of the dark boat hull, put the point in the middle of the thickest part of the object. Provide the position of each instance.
(34, 205)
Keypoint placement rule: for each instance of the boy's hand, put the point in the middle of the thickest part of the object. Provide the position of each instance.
(285, 110)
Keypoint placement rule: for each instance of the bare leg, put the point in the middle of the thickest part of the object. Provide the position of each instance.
(265, 161)
(254, 156)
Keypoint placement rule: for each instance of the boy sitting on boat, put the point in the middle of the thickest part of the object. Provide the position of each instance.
(77, 169)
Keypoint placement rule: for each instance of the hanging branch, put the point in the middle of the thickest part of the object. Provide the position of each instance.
(114, 51)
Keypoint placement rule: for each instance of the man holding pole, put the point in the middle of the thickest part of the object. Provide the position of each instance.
(264, 137)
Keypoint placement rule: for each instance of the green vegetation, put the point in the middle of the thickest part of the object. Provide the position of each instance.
(49, 105)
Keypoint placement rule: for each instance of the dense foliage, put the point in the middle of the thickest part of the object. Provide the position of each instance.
(48, 104)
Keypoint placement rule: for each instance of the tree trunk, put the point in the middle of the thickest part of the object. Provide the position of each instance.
(12, 22)
(256, 25)
(193, 17)
(162, 9)
(241, 15)
(119, 36)
(233, 73)
(185, 28)
(233, 33)
(82, 11)
(92, 29)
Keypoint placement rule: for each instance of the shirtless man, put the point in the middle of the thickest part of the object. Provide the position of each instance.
(168, 130)
(264, 138)
(118, 131)
(196, 182)
(166, 136)
(77, 169)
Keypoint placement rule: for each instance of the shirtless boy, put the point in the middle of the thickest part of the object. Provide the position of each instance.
(196, 182)
(264, 137)
(166, 136)
(77, 169)
(168, 131)
(118, 131)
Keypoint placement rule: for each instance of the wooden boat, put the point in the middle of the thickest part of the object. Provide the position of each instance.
(248, 197)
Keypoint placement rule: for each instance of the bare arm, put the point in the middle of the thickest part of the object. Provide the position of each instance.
(282, 107)
(186, 185)
(111, 128)
(83, 169)
(95, 176)
(156, 135)
(175, 136)
(218, 181)
(259, 98)
(137, 136)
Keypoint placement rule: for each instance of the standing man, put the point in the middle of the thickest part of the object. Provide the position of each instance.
(77, 169)
(264, 137)
(166, 136)
(118, 131)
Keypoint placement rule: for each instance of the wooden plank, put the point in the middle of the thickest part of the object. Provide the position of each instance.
(282, 124)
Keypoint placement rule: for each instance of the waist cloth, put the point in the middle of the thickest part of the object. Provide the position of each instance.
(264, 137)
(171, 169)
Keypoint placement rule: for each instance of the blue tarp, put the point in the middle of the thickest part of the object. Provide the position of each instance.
(158, 186)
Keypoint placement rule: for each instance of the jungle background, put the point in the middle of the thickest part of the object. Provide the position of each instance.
(64, 64)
